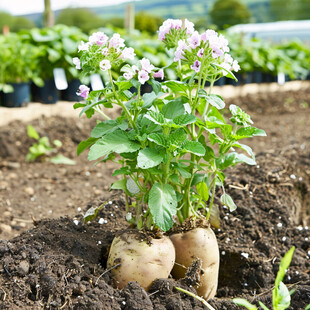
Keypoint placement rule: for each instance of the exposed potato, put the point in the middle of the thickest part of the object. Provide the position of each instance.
(140, 261)
(198, 243)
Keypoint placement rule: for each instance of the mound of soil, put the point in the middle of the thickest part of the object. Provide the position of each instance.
(50, 259)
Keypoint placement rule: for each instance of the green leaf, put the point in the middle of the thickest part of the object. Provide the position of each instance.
(263, 306)
(308, 307)
(194, 147)
(163, 205)
(158, 138)
(61, 159)
(120, 184)
(215, 100)
(103, 128)
(174, 108)
(228, 201)
(92, 212)
(57, 143)
(284, 297)
(83, 145)
(231, 159)
(178, 137)
(32, 133)
(203, 190)
(117, 141)
(244, 303)
(148, 158)
(245, 148)
(148, 99)
(155, 117)
(214, 116)
(183, 120)
(183, 172)
(248, 132)
(123, 170)
(284, 265)
(229, 74)
(156, 85)
(177, 86)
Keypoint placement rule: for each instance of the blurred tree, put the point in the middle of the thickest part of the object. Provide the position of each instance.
(80, 17)
(147, 22)
(229, 12)
(202, 23)
(6, 19)
(22, 23)
(15, 23)
(290, 9)
(115, 22)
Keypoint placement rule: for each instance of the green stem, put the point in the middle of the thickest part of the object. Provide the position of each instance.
(212, 199)
(97, 109)
(130, 120)
(204, 302)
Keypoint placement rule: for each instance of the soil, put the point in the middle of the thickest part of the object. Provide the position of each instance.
(50, 259)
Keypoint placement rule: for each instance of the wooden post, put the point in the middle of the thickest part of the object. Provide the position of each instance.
(130, 17)
(48, 15)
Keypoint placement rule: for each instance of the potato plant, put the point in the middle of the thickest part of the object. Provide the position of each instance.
(171, 144)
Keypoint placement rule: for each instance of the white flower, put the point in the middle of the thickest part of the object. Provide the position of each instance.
(83, 46)
(194, 40)
(146, 65)
(77, 63)
(98, 38)
(116, 41)
(105, 65)
(143, 76)
(189, 26)
(128, 53)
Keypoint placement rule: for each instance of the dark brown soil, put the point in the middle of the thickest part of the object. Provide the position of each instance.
(51, 260)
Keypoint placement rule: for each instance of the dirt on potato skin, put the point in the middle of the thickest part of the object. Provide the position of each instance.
(61, 264)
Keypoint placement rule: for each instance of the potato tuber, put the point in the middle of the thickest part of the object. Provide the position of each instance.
(198, 243)
(142, 260)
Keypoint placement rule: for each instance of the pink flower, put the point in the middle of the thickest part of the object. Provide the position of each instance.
(98, 38)
(178, 55)
(128, 53)
(189, 27)
(146, 65)
(83, 91)
(196, 65)
(216, 52)
(143, 76)
(194, 40)
(128, 75)
(77, 63)
(84, 46)
(159, 74)
(200, 53)
(116, 41)
(167, 26)
(182, 45)
(105, 65)
(208, 34)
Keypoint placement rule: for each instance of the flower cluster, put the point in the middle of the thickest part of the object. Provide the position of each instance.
(107, 51)
(170, 24)
(143, 74)
(198, 49)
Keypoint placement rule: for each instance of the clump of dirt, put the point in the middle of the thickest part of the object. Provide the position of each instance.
(60, 262)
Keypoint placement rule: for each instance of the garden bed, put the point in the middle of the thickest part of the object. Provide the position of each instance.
(50, 259)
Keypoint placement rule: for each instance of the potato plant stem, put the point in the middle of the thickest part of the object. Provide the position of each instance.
(204, 302)
(130, 120)
(212, 199)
